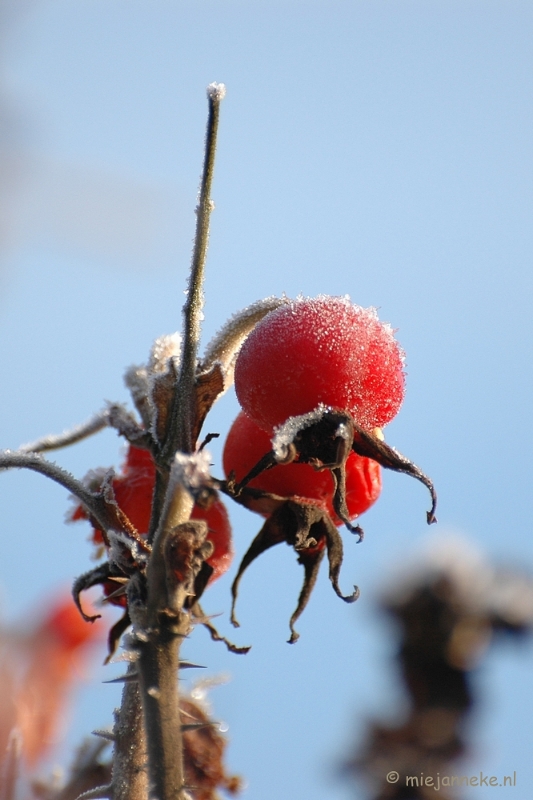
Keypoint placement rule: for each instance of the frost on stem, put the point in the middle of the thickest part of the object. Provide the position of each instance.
(55, 441)
(216, 91)
(114, 416)
(193, 471)
(189, 479)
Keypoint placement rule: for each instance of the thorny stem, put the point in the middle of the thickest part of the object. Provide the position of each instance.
(158, 668)
(165, 622)
(130, 778)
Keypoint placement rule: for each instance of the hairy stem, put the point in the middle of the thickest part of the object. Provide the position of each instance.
(182, 414)
(164, 621)
(56, 441)
(130, 776)
(158, 668)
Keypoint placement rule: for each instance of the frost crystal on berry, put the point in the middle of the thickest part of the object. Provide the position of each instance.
(321, 350)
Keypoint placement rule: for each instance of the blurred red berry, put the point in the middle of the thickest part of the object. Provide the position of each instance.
(133, 489)
(320, 350)
(67, 627)
(38, 668)
(245, 445)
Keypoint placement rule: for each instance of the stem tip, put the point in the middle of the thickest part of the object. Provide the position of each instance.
(216, 92)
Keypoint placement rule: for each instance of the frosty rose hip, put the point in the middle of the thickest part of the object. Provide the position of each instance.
(320, 350)
(246, 444)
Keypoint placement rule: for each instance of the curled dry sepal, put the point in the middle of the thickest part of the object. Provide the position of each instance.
(320, 376)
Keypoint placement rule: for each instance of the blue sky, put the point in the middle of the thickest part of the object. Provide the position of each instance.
(377, 149)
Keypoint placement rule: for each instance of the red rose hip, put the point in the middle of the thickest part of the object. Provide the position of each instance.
(320, 350)
(133, 488)
(245, 445)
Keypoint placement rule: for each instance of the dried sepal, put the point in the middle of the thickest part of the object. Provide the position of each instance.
(200, 618)
(99, 576)
(186, 550)
(201, 580)
(152, 386)
(115, 634)
(309, 530)
(162, 390)
(136, 380)
(368, 444)
(208, 386)
(339, 500)
(311, 563)
(270, 534)
(324, 438)
(94, 577)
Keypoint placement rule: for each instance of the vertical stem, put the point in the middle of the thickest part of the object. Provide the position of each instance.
(164, 622)
(183, 407)
(158, 667)
(130, 777)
